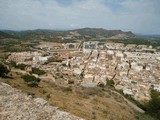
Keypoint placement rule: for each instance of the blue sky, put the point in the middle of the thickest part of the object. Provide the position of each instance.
(140, 16)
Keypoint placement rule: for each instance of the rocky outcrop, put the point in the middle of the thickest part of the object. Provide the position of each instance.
(15, 105)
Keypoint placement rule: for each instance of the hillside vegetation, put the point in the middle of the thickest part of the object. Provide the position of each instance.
(88, 103)
(52, 34)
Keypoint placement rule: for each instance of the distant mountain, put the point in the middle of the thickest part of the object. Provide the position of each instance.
(34, 34)
(103, 32)
(91, 32)
(5, 35)
(153, 36)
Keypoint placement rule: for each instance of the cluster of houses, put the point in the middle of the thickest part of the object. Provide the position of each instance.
(50, 46)
(118, 46)
(133, 68)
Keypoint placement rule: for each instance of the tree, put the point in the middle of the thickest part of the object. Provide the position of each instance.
(153, 106)
(3, 70)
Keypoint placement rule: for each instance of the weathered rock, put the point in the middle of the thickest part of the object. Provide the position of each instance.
(15, 105)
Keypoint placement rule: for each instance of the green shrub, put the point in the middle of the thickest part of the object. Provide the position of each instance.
(31, 80)
(140, 116)
(13, 63)
(3, 70)
(64, 65)
(21, 66)
(110, 83)
(38, 71)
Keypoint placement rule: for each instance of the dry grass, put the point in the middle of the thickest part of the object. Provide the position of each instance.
(88, 103)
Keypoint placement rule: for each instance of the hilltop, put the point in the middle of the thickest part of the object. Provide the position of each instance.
(103, 32)
(84, 32)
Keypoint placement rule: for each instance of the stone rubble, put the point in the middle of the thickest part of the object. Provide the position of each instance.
(15, 105)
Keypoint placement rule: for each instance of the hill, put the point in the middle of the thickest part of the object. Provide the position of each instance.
(53, 34)
(102, 32)
(88, 103)
(5, 35)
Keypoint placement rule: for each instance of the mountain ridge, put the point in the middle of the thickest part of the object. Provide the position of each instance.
(82, 32)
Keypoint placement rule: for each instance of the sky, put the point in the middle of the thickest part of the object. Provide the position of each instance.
(138, 16)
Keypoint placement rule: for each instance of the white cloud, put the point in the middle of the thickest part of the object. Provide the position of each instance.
(135, 15)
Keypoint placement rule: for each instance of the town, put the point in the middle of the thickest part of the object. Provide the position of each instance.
(134, 69)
